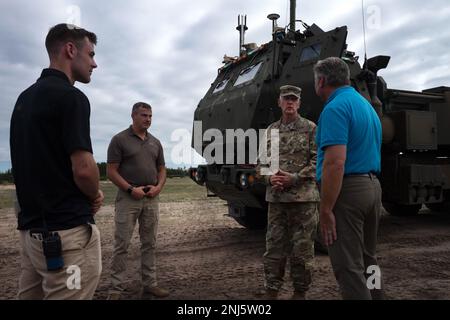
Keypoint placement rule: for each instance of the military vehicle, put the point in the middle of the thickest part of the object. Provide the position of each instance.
(416, 135)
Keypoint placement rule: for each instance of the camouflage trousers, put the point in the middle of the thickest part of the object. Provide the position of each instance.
(290, 232)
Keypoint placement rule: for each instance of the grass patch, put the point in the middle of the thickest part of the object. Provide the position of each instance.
(7, 198)
(182, 189)
(175, 190)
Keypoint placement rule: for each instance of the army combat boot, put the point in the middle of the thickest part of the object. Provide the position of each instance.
(267, 294)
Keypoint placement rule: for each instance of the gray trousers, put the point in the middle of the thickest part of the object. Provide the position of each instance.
(357, 211)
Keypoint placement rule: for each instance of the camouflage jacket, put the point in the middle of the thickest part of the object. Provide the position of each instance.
(297, 155)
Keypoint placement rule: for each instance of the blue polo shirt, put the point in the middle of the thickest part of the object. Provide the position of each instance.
(349, 119)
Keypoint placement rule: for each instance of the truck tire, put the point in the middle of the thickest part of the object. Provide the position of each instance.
(402, 210)
(439, 207)
(443, 206)
(254, 218)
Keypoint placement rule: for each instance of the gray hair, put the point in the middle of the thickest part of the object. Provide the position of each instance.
(138, 105)
(334, 70)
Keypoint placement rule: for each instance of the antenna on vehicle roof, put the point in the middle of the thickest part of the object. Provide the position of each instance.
(292, 16)
(242, 27)
(364, 33)
(273, 17)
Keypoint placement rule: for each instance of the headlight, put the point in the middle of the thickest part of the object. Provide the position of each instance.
(243, 180)
(246, 180)
(200, 175)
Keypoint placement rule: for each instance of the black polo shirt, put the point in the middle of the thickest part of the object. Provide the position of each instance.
(49, 122)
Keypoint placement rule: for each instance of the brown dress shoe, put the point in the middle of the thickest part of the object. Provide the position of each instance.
(114, 296)
(298, 295)
(157, 292)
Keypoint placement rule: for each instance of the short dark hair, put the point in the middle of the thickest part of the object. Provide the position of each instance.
(62, 33)
(144, 105)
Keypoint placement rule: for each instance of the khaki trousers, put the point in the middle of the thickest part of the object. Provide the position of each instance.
(357, 211)
(82, 266)
(128, 211)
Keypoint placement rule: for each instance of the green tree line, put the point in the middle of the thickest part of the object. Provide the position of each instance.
(7, 177)
(179, 172)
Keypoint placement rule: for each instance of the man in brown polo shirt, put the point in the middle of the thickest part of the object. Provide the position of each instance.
(136, 166)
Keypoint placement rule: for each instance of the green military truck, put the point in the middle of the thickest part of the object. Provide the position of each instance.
(416, 134)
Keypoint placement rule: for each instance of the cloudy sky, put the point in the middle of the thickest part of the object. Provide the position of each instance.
(167, 52)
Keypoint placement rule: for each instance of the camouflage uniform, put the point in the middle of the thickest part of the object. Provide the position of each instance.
(293, 216)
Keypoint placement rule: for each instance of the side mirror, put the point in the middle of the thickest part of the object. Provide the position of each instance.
(377, 63)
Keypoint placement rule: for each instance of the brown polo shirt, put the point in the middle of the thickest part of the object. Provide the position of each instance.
(139, 159)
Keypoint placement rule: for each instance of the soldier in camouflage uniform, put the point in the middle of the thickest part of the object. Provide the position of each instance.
(293, 196)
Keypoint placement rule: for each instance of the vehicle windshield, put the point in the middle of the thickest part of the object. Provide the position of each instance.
(248, 74)
(221, 85)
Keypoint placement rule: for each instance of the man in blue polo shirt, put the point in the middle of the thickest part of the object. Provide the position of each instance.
(348, 162)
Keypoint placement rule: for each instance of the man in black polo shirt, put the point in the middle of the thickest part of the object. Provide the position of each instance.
(56, 177)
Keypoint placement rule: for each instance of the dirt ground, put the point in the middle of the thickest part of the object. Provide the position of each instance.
(202, 254)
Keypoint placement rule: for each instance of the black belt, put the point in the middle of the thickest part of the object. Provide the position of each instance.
(370, 175)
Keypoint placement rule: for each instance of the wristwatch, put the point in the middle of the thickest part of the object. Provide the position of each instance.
(130, 189)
